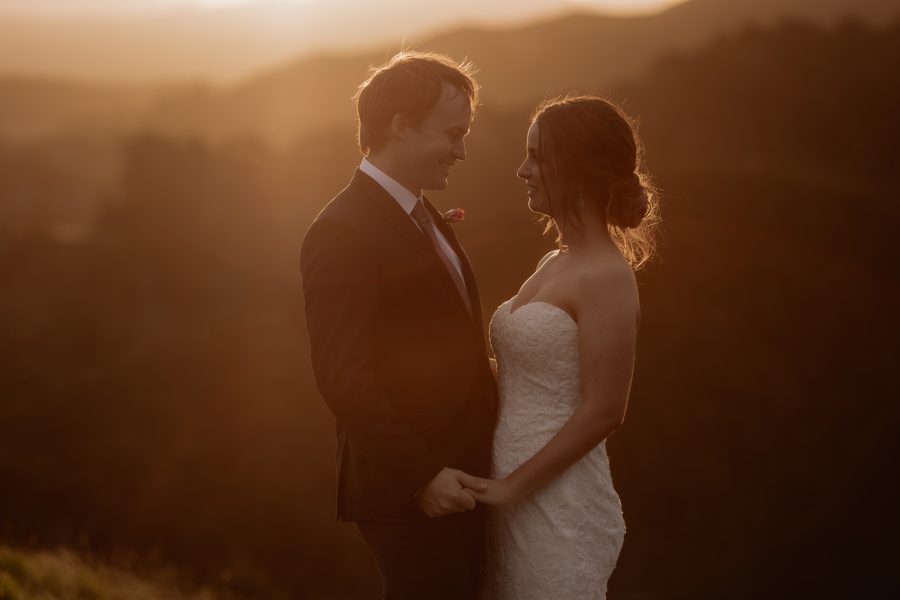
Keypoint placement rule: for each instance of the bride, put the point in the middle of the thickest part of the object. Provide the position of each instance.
(565, 347)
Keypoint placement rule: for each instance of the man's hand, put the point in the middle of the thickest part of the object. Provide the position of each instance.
(495, 492)
(444, 494)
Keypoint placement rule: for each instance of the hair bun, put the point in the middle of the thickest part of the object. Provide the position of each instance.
(629, 202)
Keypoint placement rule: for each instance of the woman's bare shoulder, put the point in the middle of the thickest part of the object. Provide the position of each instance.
(546, 257)
(608, 283)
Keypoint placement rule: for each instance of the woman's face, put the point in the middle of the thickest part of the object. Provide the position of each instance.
(530, 172)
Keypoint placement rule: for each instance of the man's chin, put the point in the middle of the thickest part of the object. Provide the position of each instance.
(437, 185)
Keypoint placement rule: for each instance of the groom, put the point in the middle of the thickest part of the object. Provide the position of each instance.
(397, 338)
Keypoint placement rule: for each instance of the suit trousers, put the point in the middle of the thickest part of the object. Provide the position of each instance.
(421, 557)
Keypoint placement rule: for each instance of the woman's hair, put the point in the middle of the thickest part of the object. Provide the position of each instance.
(589, 152)
(409, 84)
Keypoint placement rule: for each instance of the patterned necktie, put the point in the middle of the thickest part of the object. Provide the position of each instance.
(421, 216)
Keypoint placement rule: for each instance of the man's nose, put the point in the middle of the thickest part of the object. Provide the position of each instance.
(459, 150)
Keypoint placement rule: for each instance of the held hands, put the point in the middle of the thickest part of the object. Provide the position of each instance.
(453, 491)
(449, 492)
(492, 491)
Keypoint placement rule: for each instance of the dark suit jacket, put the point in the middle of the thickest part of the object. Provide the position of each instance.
(397, 358)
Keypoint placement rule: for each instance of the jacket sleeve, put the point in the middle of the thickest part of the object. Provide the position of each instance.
(340, 293)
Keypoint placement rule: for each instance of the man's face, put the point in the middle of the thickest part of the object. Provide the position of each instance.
(432, 147)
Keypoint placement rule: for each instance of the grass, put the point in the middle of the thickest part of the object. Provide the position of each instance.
(64, 575)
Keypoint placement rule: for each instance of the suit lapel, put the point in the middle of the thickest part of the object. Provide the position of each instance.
(477, 316)
(388, 211)
(383, 204)
(468, 275)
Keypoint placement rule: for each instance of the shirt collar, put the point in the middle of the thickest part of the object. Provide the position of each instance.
(406, 199)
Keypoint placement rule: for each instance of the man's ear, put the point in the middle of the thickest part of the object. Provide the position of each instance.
(398, 127)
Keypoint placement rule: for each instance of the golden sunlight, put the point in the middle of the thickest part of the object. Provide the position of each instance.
(228, 3)
(226, 41)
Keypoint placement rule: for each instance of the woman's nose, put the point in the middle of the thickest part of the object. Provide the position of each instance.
(522, 173)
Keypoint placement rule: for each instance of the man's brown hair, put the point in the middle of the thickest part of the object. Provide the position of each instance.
(409, 84)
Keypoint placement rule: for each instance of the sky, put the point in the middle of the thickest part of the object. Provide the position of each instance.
(226, 41)
(126, 7)
(612, 4)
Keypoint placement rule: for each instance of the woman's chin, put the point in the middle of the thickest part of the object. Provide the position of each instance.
(537, 207)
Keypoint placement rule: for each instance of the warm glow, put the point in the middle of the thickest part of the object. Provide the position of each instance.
(137, 6)
(628, 6)
(225, 41)
(612, 5)
(227, 3)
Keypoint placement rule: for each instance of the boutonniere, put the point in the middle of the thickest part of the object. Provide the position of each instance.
(454, 215)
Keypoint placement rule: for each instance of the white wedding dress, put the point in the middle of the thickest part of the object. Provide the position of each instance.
(562, 541)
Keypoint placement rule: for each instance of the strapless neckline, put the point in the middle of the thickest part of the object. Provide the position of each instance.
(539, 303)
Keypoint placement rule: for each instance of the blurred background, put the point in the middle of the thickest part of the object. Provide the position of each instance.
(160, 431)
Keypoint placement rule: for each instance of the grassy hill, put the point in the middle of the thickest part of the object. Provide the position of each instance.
(63, 575)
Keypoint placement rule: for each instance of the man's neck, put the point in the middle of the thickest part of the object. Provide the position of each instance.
(388, 167)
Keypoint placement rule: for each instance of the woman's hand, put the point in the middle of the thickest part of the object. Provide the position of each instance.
(496, 492)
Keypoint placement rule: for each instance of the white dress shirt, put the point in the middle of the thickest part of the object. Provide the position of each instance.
(407, 201)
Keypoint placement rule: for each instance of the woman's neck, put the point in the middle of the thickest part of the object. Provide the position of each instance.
(592, 233)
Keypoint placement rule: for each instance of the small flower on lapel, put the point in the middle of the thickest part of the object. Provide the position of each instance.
(454, 214)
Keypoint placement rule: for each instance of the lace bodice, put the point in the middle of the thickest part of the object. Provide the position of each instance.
(563, 540)
(537, 357)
